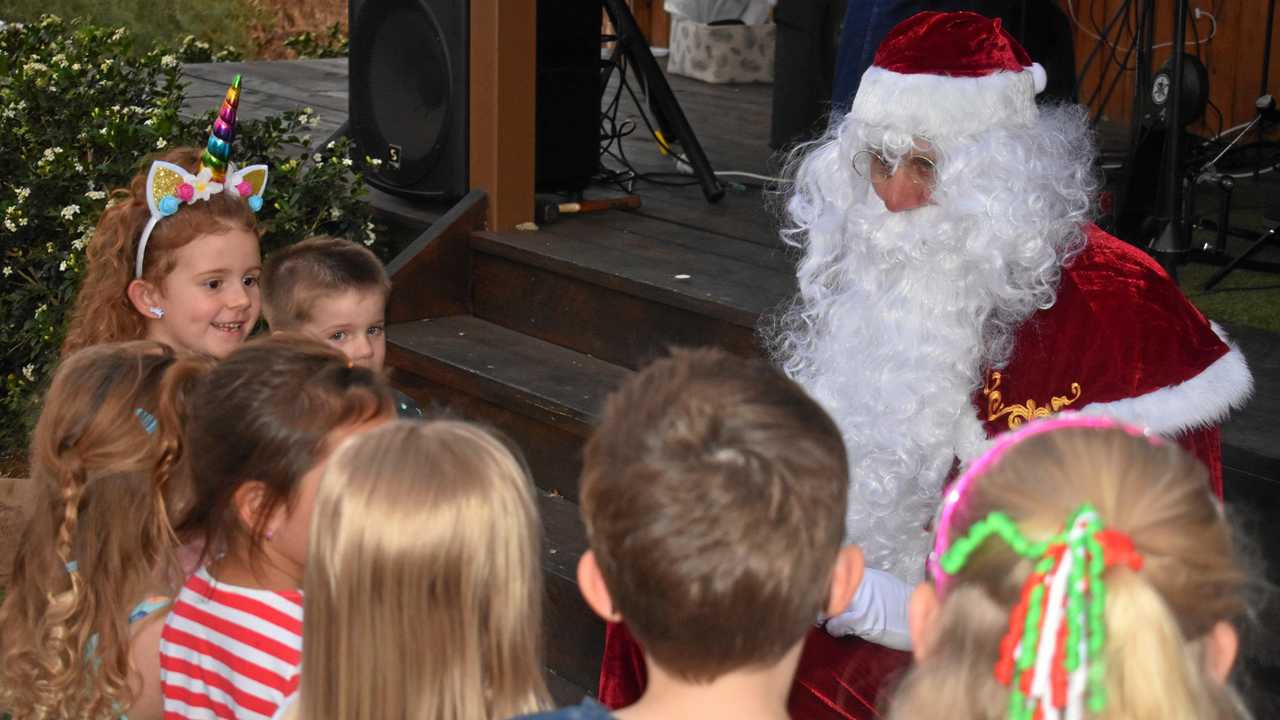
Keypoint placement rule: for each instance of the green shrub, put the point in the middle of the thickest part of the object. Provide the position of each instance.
(332, 43)
(79, 109)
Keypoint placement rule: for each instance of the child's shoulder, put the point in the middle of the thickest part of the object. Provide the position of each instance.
(588, 709)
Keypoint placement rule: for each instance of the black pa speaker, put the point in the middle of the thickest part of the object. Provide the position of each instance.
(567, 151)
(408, 94)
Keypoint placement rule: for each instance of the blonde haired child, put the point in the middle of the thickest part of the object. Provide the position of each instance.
(1081, 570)
(79, 628)
(270, 414)
(175, 256)
(423, 585)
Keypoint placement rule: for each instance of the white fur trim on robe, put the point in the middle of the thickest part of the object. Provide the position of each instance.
(1201, 401)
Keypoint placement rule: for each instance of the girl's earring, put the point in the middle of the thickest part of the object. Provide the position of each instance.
(156, 312)
(270, 534)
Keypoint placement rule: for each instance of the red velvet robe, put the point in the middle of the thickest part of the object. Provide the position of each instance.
(1121, 339)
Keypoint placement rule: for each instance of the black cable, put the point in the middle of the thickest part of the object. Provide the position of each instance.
(1104, 34)
(1122, 11)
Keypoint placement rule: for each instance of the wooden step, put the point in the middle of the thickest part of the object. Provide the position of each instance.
(626, 293)
(543, 396)
(574, 634)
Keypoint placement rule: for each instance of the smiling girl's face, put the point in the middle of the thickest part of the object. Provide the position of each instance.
(210, 299)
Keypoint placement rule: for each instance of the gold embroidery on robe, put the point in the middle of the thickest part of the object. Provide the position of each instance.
(1030, 410)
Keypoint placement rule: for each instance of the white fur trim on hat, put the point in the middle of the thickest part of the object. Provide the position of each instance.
(937, 106)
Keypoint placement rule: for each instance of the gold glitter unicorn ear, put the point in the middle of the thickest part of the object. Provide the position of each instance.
(248, 183)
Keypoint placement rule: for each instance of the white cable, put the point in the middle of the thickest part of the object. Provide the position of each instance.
(753, 176)
(1263, 171)
(1213, 30)
(1233, 128)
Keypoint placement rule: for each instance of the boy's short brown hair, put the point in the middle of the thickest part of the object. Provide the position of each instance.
(714, 495)
(297, 275)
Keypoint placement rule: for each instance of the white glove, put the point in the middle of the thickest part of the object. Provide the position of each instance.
(878, 612)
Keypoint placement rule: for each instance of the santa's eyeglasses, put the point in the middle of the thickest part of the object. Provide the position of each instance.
(873, 166)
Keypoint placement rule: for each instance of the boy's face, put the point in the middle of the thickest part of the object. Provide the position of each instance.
(354, 322)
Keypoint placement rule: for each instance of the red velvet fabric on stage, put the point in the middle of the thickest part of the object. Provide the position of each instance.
(1119, 330)
(838, 678)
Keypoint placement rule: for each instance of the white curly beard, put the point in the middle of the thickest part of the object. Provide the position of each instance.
(899, 314)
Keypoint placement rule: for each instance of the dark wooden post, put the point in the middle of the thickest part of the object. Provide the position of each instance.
(503, 93)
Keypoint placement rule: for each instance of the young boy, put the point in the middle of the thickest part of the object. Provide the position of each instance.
(714, 494)
(335, 291)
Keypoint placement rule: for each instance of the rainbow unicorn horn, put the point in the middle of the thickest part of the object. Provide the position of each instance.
(218, 151)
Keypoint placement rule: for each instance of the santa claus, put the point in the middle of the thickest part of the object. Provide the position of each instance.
(952, 287)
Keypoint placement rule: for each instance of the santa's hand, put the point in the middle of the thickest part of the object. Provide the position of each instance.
(878, 612)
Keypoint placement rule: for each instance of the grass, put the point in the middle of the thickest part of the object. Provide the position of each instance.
(258, 28)
(1243, 298)
(218, 22)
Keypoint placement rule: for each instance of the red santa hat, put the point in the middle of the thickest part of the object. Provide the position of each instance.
(952, 74)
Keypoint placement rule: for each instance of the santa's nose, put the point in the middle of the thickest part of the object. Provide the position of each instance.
(901, 192)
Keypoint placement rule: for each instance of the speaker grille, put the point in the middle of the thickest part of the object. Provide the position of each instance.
(405, 81)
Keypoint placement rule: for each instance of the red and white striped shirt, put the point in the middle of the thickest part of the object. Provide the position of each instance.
(229, 652)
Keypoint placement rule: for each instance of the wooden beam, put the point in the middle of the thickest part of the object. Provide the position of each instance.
(503, 93)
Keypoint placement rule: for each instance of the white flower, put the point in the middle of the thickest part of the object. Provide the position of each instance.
(204, 184)
(335, 214)
(7, 271)
(33, 67)
(76, 66)
(51, 154)
(169, 61)
(375, 162)
(23, 193)
(160, 143)
(48, 247)
(106, 65)
(331, 145)
(70, 211)
(79, 168)
(9, 113)
(62, 266)
(96, 195)
(346, 162)
(60, 60)
(368, 240)
(317, 158)
(149, 122)
(40, 310)
(119, 33)
(29, 372)
(8, 225)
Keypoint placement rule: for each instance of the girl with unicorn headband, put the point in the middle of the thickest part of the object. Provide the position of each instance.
(1081, 569)
(175, 256)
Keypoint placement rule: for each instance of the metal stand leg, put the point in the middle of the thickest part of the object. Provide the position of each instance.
(632, 42)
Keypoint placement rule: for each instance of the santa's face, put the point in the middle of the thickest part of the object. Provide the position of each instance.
(903, 185)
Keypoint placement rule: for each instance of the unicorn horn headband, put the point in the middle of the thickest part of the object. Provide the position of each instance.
(1052, 657)
(169, 186)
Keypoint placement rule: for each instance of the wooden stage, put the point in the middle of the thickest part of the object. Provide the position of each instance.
(530, 330)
